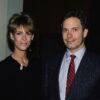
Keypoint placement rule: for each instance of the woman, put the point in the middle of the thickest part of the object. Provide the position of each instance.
(19, 79)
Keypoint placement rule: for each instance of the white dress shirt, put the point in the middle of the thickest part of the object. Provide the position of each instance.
(64, 69)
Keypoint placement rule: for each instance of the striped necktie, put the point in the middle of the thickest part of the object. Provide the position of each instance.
(71, 74)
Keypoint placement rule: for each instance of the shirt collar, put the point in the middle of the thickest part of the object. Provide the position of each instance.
(78, 54)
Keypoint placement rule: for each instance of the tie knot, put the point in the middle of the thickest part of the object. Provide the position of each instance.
(72, 56)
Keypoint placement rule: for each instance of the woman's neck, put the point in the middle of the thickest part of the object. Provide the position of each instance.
(20, 57)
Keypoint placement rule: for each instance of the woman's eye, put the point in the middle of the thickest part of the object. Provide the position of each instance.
(18, 33)
(28, 33)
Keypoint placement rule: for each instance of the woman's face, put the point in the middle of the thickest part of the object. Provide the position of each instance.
(21, 39)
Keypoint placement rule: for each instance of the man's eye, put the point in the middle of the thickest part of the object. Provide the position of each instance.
(75, 30)
(65, 30)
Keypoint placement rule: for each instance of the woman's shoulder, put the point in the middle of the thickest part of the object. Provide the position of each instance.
(4, 65)
(35, 61)
(6, 60)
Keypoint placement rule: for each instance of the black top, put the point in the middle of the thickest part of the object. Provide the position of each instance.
(19, 84)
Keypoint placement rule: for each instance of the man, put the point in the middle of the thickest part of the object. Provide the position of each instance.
(85, 83)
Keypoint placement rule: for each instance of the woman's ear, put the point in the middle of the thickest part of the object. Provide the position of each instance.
(11, 36)
(32, 36)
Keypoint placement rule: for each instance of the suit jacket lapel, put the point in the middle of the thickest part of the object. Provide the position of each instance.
(79, 80)
(57, 78)
(58, 70)
(54, 81)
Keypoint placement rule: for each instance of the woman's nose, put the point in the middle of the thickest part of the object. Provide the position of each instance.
(24, 37)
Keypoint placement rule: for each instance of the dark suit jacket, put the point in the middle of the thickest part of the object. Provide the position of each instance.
(86, 85)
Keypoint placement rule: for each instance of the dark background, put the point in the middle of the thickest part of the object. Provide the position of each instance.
(48, 14)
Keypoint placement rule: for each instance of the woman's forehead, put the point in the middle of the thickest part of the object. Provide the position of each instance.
(22, 28)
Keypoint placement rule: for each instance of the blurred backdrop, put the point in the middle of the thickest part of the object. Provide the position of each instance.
(48, 16)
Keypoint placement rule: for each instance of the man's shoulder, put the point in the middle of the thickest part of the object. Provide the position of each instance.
(92, 54)
(56, 57)
(92, 57)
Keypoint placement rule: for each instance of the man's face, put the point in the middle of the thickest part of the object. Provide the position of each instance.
(73, 34)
